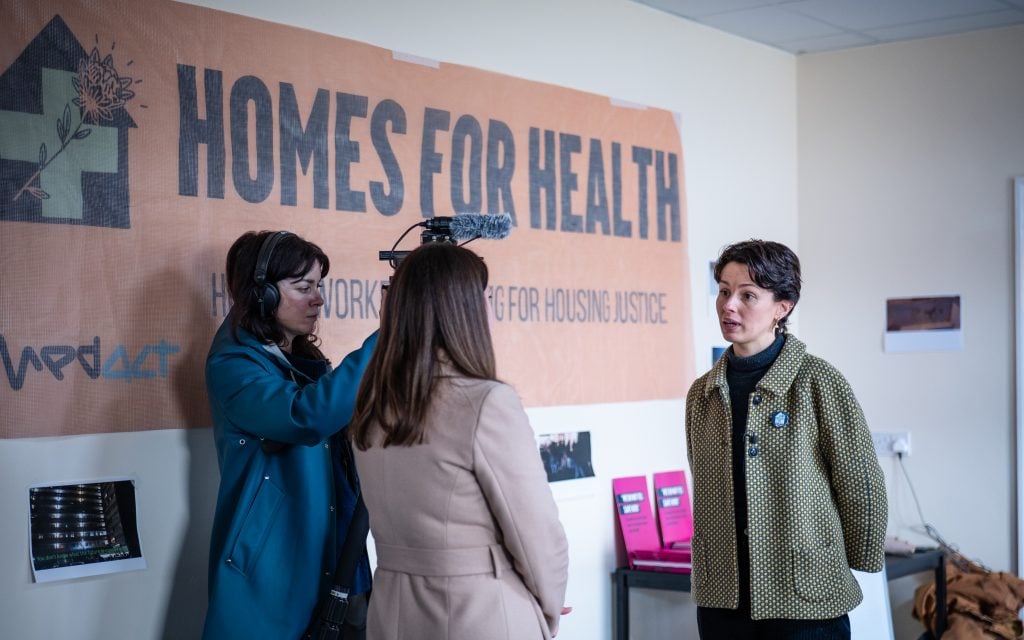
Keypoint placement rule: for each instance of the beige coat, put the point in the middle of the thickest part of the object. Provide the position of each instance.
(469, 545)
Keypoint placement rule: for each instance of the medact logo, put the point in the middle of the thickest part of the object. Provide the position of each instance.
(64, 133)
(148, 361)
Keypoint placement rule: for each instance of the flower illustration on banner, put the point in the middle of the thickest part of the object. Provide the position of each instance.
(100, 92)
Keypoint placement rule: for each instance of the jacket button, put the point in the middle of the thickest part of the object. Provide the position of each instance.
(757, 400)
(753, 452)
(331, 508)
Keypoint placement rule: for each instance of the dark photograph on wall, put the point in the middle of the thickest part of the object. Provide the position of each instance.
(566, 456)
(79, 530)
(922, 314)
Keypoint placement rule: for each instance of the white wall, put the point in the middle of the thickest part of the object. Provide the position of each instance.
(176, 477)
(907, 154)
(736, 102)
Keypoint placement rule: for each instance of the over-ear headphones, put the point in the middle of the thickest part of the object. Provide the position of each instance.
(267, 294)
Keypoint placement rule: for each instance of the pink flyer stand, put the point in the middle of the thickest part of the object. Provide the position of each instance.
(643, 545)
(675, 518)
(633, 508)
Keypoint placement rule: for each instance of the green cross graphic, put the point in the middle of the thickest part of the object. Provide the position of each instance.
(22, 133)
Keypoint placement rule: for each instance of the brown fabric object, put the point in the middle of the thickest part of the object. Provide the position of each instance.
(980, 604)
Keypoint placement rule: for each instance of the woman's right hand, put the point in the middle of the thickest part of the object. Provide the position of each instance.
(565, 611)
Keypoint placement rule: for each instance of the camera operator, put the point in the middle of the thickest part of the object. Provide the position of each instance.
(288, 486)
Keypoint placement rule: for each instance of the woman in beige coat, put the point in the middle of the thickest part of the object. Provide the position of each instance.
(469, 545)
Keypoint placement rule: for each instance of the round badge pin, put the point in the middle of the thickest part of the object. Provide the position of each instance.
(780, 419)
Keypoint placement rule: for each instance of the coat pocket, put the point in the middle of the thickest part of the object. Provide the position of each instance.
(255, 528)
(817, 572)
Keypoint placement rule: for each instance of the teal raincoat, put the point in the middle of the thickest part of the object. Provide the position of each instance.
(273, 546)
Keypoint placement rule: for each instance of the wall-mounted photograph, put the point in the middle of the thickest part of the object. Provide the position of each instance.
(566, 456)
(926, 323)
(716, 353)
(79, 530)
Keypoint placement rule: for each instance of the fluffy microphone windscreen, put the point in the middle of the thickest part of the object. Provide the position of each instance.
(493, 226)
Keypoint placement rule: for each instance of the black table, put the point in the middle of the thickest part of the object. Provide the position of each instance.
(929, 560)
(895, 567)
(626, 578)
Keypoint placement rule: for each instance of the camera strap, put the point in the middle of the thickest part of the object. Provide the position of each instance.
(329, 615)
(353, 550)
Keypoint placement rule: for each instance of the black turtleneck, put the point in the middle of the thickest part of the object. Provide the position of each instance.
(742, 375)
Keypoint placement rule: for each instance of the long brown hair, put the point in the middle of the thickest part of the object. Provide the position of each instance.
(433, 310)
(292, 258)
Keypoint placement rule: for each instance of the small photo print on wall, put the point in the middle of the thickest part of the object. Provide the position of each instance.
(923, 324)
(566, 456)
(716, 353)
(86, 529)
(712, 291)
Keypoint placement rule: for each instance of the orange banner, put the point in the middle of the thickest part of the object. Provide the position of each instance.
(137, 141)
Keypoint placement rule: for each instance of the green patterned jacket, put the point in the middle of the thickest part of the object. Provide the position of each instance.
(815, 492)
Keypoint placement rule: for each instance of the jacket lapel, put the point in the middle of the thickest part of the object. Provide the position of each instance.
(783, 371)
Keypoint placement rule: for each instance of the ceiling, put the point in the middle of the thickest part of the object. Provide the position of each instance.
(809, 26)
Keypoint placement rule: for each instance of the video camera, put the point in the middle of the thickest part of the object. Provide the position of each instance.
(466, 226)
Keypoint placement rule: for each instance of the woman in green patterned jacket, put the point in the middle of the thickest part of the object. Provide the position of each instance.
(777, 434)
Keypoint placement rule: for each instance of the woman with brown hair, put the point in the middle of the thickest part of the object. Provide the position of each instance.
(788, 496)
(469, 544)
(287, 488)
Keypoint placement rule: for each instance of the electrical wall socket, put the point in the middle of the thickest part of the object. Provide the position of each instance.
(889, 443)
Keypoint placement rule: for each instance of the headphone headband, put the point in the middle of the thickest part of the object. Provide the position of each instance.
(267, 250)
(267, 295)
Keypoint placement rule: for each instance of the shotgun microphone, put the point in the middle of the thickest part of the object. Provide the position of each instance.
(464, 227)
(470, 226)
